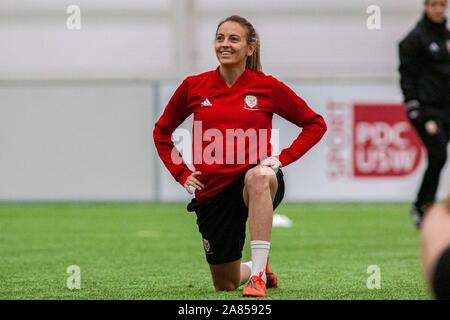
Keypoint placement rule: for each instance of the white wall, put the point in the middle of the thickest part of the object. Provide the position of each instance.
(162, 38)
(86, 141)
(116, 40)
(86, 134)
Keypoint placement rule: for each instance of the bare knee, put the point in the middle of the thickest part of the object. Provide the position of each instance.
(226, 276)
(225, 285)
(257, 180)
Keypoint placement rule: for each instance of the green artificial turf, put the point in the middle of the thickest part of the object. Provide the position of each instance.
(154, 251)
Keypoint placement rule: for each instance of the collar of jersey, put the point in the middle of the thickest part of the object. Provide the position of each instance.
(238, 83)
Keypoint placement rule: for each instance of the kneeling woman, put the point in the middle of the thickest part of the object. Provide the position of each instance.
(240, 183)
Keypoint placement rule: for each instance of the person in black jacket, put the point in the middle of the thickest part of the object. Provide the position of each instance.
(425, 83)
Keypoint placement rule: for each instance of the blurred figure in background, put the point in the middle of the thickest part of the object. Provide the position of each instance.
(436, 249)
(425, 83)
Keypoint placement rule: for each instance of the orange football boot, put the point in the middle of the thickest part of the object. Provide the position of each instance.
(272, 280)
(256, 287)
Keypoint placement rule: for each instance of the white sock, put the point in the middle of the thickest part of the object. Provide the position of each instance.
(248, 264)
(260, 252)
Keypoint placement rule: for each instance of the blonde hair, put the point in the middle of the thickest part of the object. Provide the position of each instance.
(253, 61)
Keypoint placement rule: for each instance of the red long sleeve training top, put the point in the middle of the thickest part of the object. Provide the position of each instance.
(221, 115)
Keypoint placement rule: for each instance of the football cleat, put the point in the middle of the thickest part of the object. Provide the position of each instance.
(418, 213)
(272, 280)
(256, 287)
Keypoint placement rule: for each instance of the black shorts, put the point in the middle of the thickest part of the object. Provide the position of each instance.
(441, 276)
(222, 221)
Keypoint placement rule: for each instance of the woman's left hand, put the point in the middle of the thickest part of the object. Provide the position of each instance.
(272, 162)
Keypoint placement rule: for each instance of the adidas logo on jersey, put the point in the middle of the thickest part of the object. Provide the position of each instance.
(206, 103)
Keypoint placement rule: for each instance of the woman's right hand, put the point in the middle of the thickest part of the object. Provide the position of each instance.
(192, 181)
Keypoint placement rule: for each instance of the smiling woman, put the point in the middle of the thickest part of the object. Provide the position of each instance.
(236, 42)
(242, 182)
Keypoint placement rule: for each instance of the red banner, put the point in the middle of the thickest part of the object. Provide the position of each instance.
(384, 142)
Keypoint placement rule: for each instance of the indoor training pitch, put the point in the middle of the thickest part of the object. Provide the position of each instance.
(154, 251)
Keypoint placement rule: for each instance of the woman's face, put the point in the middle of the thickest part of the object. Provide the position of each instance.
(435, 10)
(231, 44)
